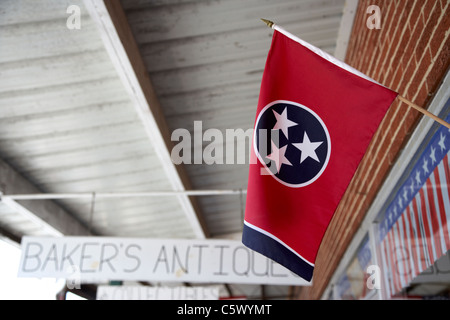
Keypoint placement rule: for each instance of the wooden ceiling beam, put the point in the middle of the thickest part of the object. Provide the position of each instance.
(126, 58)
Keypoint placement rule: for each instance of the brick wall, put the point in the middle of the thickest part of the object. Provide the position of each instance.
(409, 54)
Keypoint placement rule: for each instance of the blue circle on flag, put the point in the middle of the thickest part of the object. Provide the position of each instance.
(292, 142)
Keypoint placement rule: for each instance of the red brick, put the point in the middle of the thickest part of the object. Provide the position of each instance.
(404, 39)
(430, 26)
(366, 68)
(409, 72)
(361, 15)
(386, 9)
(378, 172)
(355, 39)
(415, 22)
(379, 144)
(440, 67)
(404, 52)
(424, 64)
(400, 58)
(389, 23)
(396, 78)
(360, 48)
(395, 117)
(439, 34)
(428, 7)
(371, 150)
(411, 119)
(396, 143)
(374, 43)
(391, 15)
(376, 69)
(422, 96)
(414, 88)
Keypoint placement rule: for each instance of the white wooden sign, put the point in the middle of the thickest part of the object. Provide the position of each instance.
(97, 259)
(157, 293)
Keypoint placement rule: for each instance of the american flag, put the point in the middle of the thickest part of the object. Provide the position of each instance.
(415, 230)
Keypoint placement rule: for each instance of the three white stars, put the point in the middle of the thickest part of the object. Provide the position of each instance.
(307, 148)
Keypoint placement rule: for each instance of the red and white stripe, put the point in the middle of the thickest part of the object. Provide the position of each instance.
(421, 234)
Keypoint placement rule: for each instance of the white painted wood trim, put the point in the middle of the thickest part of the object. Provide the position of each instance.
(345, 29)
(126, 58)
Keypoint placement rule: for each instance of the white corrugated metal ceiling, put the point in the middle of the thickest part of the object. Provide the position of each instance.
(68, 125)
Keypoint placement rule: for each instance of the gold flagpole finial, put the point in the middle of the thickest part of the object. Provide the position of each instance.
(268, 22)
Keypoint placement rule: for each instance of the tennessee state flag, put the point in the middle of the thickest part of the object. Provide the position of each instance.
(315, 119)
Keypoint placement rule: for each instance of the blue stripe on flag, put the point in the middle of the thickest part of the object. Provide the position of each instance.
(274, 250)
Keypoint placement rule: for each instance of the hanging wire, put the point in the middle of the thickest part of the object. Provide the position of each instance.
(91, 213)
(50, 196)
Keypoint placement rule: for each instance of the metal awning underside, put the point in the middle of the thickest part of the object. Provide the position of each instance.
(68, 123)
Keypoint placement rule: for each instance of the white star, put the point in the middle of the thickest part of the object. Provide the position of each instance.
(419, 182)
(442, 142)
(308, 148)
(425, 166)
(433, 155)
(283, 123)
(278, 157)
(400, 202)
(405, 194)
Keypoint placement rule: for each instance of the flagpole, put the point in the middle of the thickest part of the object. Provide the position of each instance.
(271, 25)
(268, 22)
(423, 111)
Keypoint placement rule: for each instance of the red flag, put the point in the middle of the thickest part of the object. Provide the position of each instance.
(314, 121)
